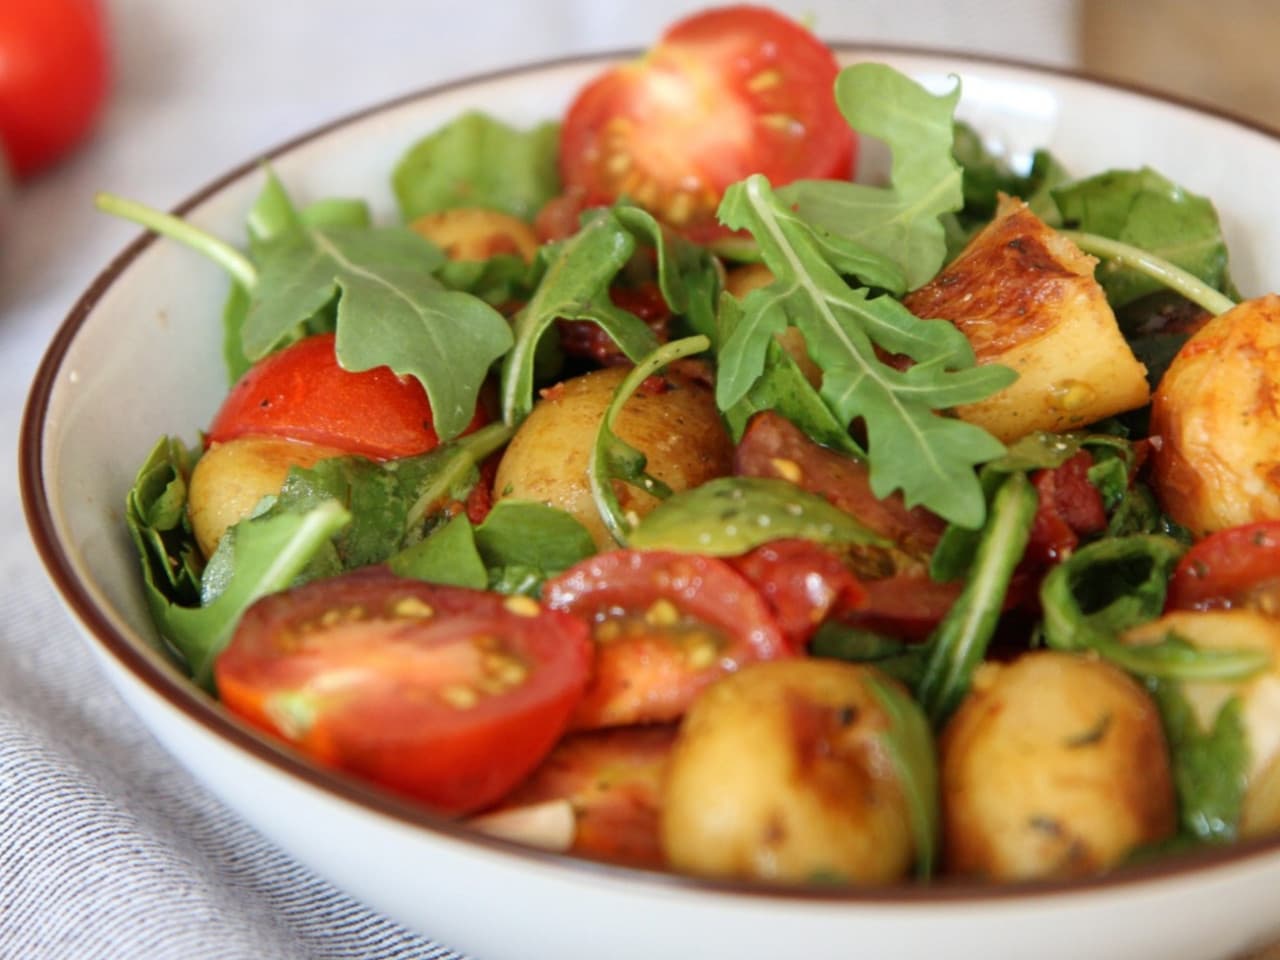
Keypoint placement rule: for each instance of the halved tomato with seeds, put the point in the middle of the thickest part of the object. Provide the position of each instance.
(666, 625)
(449, 696)
(724, 94)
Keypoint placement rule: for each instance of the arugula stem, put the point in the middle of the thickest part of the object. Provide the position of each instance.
(226, 256)
(463, 454)
(960, 641)
(599, 474)
(1177, 279)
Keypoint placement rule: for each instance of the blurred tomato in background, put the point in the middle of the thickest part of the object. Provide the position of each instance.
(54, 75)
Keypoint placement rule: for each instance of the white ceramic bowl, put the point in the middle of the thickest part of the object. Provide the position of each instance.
(138, 357)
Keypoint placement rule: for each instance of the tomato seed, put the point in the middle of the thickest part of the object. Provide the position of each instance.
(522, 606)
(412, 608)
(460, 696)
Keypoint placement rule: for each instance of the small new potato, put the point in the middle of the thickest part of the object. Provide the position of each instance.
(1055, 765)
(1237, 629)
(675, 425)
(1025, 296)
(472, 233)
(231, 478)
(1215, 422)
(781, 772)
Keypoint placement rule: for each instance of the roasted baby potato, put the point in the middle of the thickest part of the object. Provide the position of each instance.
(780, 772)
(1025, 296)
(1238, 629)
(231, 477)
(1216, 414)
(472, 233)
(674, 423)
(1054, 766)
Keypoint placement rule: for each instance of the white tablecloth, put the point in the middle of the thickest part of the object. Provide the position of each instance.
(107, 848)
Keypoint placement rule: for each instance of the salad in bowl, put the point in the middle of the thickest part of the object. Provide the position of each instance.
(648, 487)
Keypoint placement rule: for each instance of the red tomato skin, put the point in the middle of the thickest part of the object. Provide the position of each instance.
(646, 676)
(54, 76)
(1236, 567)
(724, 94)
(301, 393)
(373, 680)
(803, 583)
(1069, 506)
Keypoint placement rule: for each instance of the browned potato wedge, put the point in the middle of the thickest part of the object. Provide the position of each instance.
(1054, 766)
(678, 428)
(779, 772)
(472, 233)
(1216, 413)
(1260, 695)
(230, 478)
(1025, 297)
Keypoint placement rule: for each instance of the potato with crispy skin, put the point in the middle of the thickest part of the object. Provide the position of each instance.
(472, 233)
(1237, 629)
(1025, 297)
(232, 477)
(672, 420)
(1215, 422)
(1055, 765)
(781, 772)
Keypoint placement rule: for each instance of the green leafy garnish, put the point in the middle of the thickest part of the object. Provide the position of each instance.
(910, 447)
(909, 744)
(901, 222)
(477, 161)
(612, 458)
(1141, 209)
(731, 515)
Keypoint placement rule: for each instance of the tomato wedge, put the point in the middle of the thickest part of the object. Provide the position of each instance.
(666, 625)
(724, 94)
(1236, 567)
(446, 695)
(301, 393)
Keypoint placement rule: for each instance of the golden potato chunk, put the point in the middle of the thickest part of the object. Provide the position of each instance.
(780, 772)
(1054, 766)
(1238, 629)
(674, 423)
(1216, 413)
(230, 478)
(1025, 296)
(472, 233)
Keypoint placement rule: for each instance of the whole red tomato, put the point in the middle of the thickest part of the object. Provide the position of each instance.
(54, 70)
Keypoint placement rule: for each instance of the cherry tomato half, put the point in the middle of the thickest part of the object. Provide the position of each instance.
(726, 93)
(666, 625)
(301, 393)
(1236, 567)
(54, 73)
(449, 696)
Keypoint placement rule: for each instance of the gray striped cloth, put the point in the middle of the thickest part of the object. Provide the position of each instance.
(110, 851)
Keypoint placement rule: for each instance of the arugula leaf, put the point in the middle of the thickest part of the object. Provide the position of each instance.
(987, 175)
(391, 312)
(477, 161)
(156, 515)
(1141, 208)
(1209, 766)
(910, 447)
(731, 515)
(900, 222)
(612, 458)
(901, 659)
(909, 744)
(268, 556)
(517, 547)
(574, 287)
(959, 643)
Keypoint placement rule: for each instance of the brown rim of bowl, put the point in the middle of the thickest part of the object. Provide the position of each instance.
(204, 711)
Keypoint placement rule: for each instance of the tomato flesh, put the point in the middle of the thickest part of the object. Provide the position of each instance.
(724, 94)
(301, 392)
(446, 695)
(666, 625)
(1237, 567)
